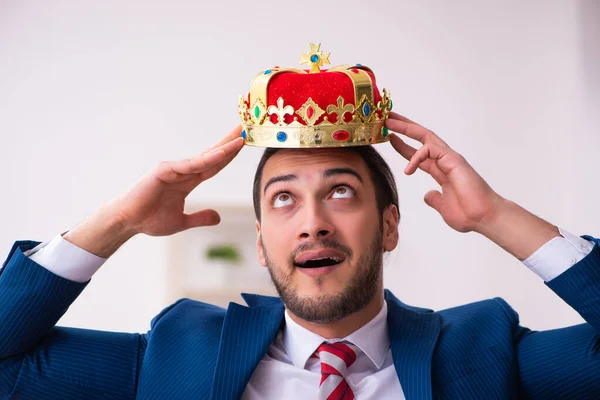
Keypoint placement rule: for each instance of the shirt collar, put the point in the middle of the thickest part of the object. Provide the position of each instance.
(372, 338)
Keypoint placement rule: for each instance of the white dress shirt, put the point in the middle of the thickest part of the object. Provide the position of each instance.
(287, 371)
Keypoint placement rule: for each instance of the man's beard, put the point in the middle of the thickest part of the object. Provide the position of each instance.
(327, 308)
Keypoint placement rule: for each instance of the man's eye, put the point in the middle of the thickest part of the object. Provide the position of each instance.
(282, 200)
(342, 192)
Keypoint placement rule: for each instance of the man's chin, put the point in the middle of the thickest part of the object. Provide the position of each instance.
(327, 302)
(318, 294)
(329, 285)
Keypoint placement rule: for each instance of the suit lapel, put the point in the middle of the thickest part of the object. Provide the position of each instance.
(246, 336)
(413, 336)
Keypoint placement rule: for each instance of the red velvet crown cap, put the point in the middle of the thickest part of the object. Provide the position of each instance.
(323, 87)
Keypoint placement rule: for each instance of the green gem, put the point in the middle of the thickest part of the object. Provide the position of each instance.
(385, 131)
(391, 104)
(256, 111)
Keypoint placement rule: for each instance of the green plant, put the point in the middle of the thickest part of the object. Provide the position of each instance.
(225, 252)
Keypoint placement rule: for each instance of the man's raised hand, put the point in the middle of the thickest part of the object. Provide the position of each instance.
(465, 200)
(154, 205)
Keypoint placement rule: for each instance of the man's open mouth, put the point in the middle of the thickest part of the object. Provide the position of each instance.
(320, 262)
(319, 258)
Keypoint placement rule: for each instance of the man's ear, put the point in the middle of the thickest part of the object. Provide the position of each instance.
(259, 246)
(391, 220)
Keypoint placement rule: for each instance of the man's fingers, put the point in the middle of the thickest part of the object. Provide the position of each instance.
(406, 128)
(417, 159)
(203, 162)
(425, 153)
(215, 169)
(401, 147)
(395, 115)
(234, 134)
(230, 150)
(408, 152)
(201, 218)
(195, 165)
(433, 199)
(398, 123)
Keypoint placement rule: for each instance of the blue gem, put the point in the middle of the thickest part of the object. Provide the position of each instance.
(358, 65)
(281, 136)
(244, 135)
(366, 110)
(267, 72)
(314, 58)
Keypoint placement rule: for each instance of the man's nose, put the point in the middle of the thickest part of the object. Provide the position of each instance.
(315, 223)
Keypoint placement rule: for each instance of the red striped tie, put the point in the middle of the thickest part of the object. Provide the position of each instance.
(336, 358)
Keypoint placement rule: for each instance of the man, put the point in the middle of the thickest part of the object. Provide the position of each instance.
(324, 219)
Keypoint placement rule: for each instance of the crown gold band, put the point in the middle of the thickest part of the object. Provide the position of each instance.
(299, 136)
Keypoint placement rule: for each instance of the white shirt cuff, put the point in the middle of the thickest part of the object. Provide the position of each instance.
(558, 255)
(66, 260)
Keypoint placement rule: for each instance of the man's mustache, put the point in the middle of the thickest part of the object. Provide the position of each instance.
(327, 243)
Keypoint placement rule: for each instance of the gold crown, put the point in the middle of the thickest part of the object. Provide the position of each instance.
(338, 107)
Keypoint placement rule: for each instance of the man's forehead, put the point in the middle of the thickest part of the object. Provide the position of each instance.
(296, 161)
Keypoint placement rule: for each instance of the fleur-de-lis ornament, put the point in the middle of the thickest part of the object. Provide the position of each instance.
(280, 111)
(340, 110)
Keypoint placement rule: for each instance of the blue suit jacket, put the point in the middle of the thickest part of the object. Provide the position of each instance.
(199, 351)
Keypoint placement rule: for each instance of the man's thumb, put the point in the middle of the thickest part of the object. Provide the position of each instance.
(433, 199)
(201, 218)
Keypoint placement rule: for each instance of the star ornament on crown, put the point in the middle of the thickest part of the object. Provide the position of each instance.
(337, 107)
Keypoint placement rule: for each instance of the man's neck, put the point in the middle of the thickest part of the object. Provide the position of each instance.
(345, 326)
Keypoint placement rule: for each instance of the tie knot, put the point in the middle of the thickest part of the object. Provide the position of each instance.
(338, 355)
(336, 358)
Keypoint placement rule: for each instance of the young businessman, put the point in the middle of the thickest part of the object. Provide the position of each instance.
(324, 219)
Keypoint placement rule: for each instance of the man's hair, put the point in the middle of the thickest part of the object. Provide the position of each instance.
(386, 191)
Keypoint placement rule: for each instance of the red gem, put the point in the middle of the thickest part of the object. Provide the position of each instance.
(341, 135)
(310, 112)
(354, 70)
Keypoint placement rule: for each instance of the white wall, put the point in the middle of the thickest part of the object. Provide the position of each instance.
(92, 94)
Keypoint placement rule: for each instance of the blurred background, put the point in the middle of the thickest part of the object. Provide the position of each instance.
(94, 94)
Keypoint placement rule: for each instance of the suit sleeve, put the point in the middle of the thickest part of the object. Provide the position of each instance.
(565, 363)
(41, 361)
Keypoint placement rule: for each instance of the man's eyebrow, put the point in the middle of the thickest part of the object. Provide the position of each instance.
(280, 178)
(328, 173)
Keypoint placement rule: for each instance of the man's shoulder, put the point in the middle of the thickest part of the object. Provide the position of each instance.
(473, 337)
(495, 305)
(187, 304)
(480, 314)
(186, 312)
(490, 308)
(495, 310)
(478, 325)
